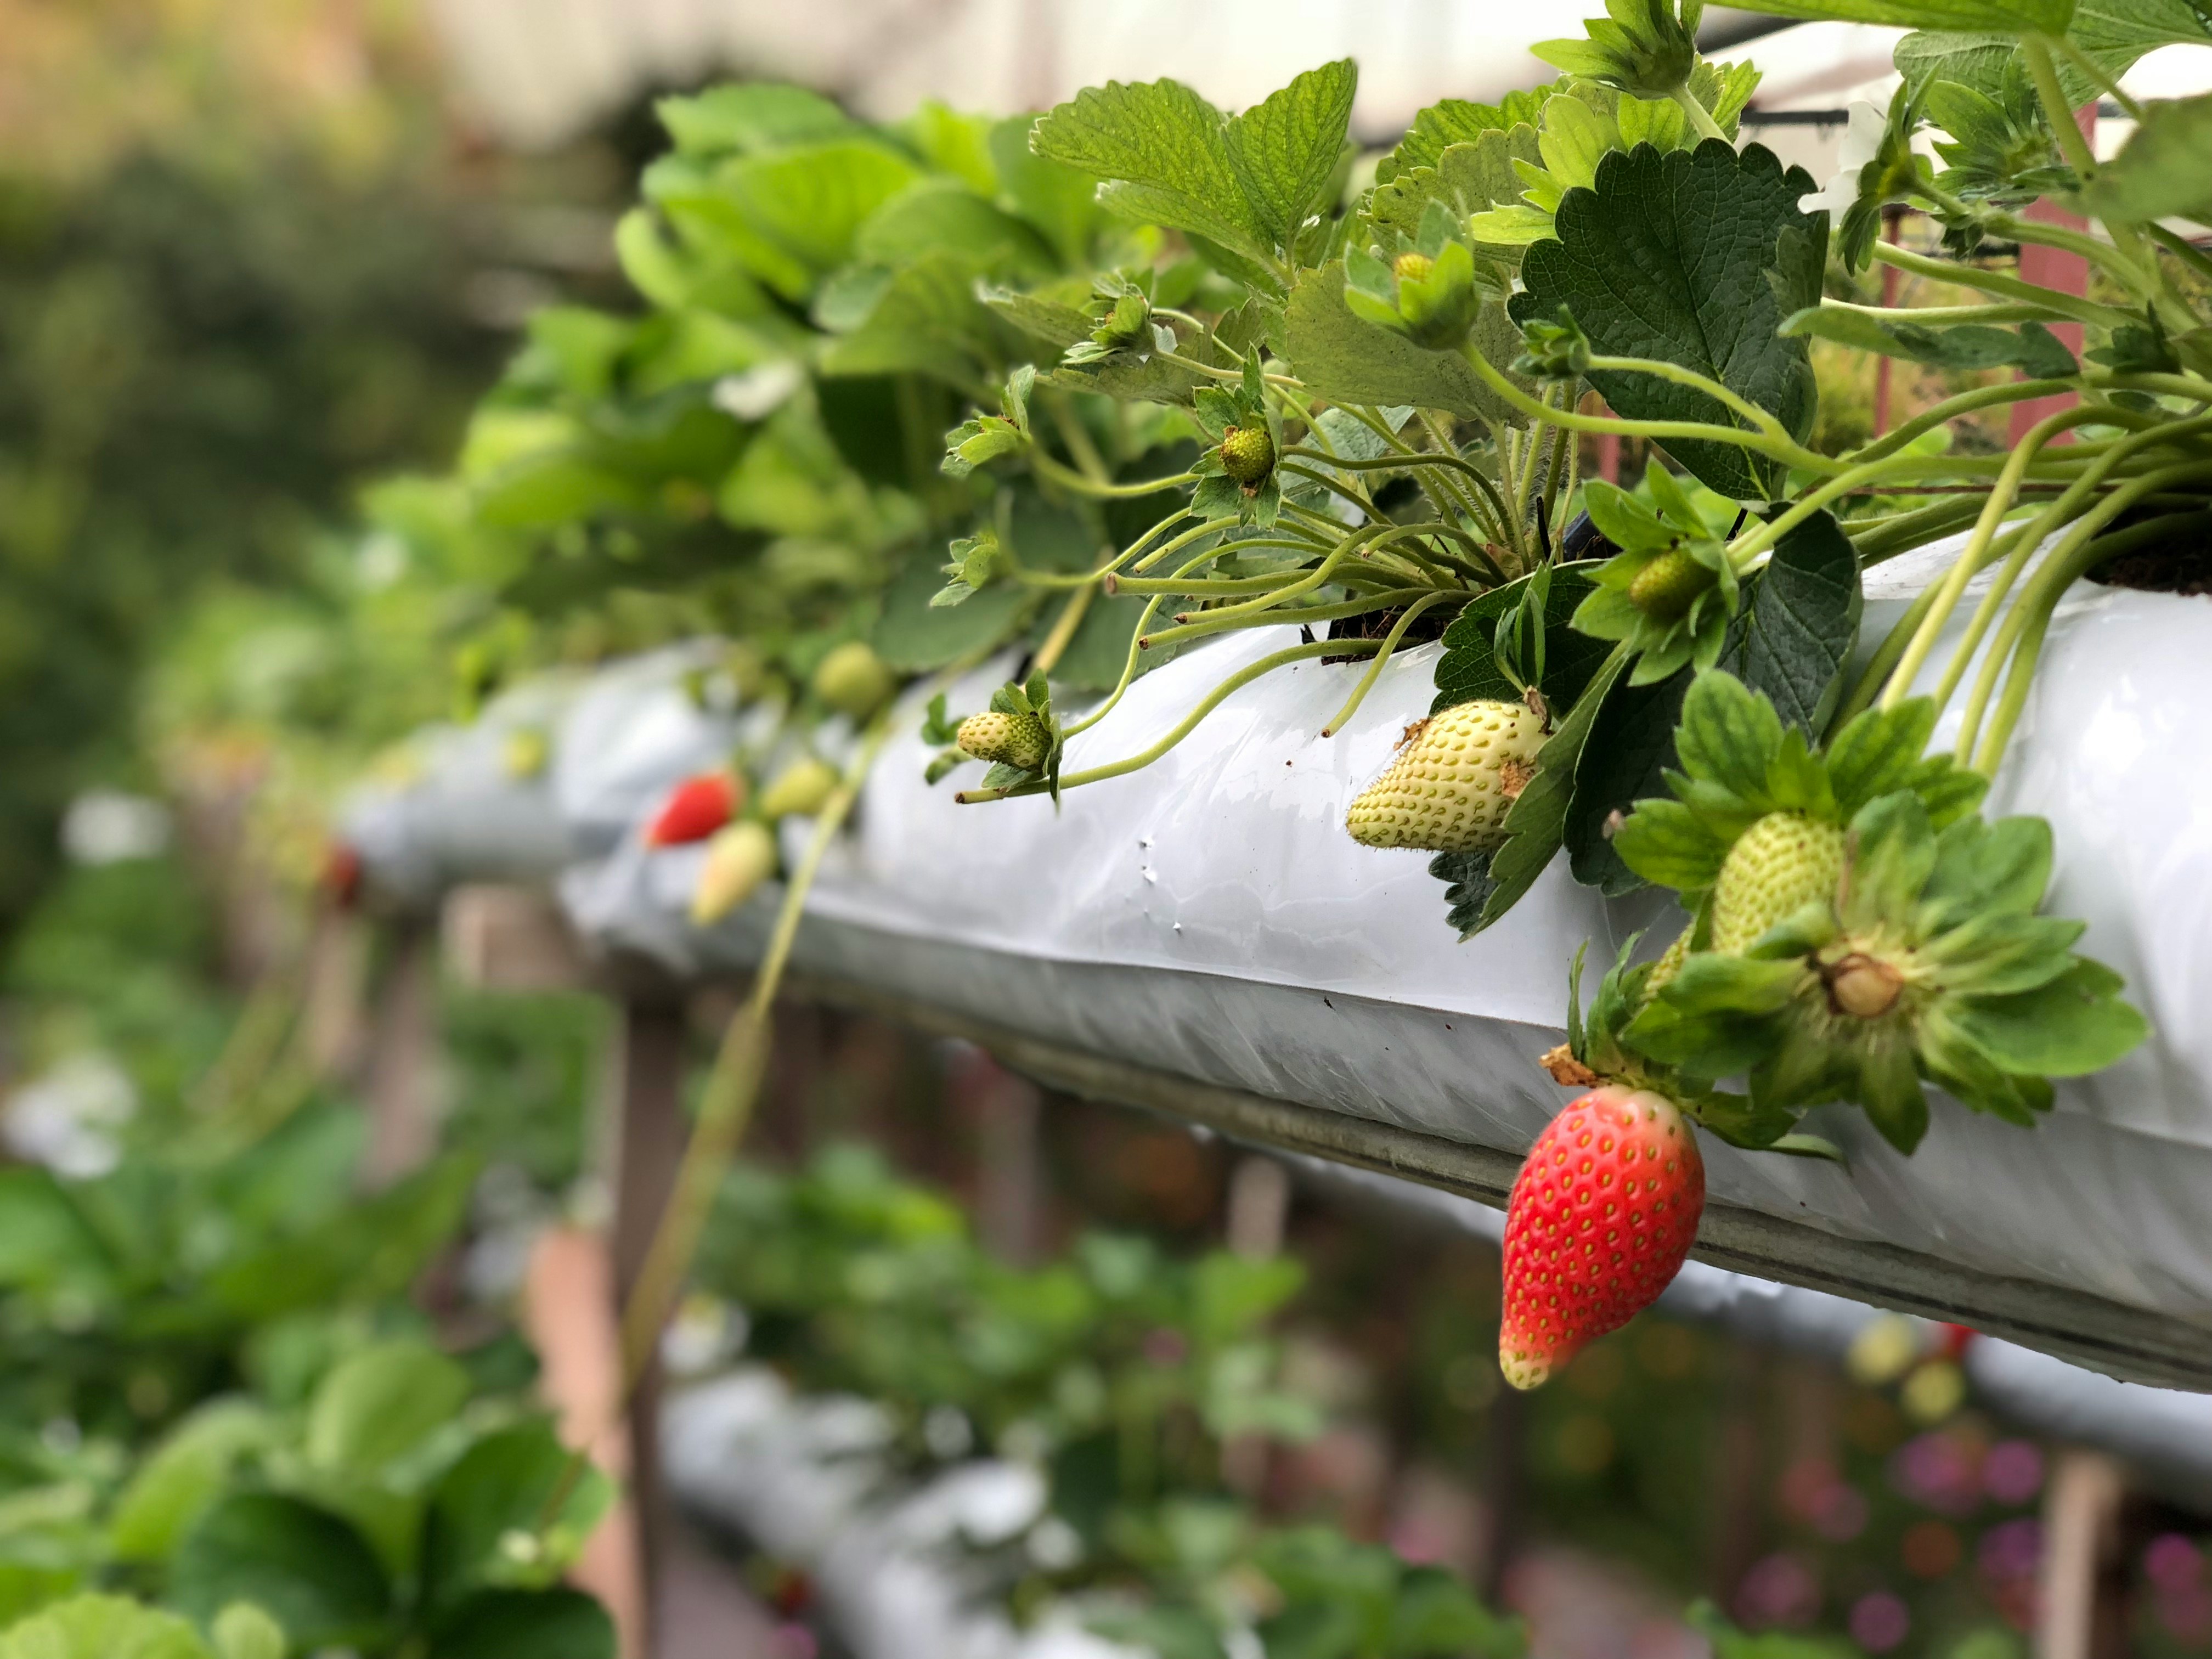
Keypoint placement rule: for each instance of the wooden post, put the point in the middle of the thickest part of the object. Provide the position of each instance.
(1892, 220)
(2069, 273)
(649, 1146)
(1259, 1206)
(2083, 1608)
(403, 1128)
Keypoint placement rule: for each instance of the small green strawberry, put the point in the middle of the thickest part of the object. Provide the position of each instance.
(1247, 455)
(1671, 591)
(1869, 932)
(1237, 476)
(800, 790)
(1782, 862)
(1018, 739)
(1455, 777)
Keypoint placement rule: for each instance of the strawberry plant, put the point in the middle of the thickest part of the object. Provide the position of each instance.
(1084, 391)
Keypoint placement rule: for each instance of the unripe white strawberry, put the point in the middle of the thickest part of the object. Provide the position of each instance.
(1783, 862)
(800, 790)
(1454, 779)
(1022, 740)
(1669, 964)
(739, 857)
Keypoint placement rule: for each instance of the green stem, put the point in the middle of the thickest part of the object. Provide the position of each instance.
(1129, 660)
(1790, 454)
(1659, 369)
(2064, 510)
(1382, 657)
(1700, 117)
(725, 1104)
(1357, 498)
(1214, 698)
(1932, 316)
(1970, 559)
(1888, 537)
(1210, 527)
(1207, 623)
(2051, 579)
(2050, 587)
(1993, 282)
(1068, 478)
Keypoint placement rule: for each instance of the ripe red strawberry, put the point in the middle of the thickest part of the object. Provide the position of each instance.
(695, 809)
(1602, 1217)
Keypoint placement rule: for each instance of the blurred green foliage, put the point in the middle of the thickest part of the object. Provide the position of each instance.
(197, 366)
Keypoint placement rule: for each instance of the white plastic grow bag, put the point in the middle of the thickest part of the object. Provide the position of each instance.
(1208, 917)
(805, 1479)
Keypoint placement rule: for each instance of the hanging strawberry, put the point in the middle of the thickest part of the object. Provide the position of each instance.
(695, 809)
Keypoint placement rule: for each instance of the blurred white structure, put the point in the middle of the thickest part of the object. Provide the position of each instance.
(537, 71)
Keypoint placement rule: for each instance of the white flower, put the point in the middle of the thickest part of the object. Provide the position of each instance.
(1862, 143)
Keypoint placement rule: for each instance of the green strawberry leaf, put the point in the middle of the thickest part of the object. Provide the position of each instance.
(1800, 625)
(1997, 955)
(1632, 748)
(1456, 121)
(1668, 845)
(1164, 151)
(2073, 1026)
(1728, 736)
(1999, 869)
(1467, 889)
(1536, 827)
(1667, 257)
(2165, 170)
(2032, 348)
(1347, 360)
(1715, 1017)
(1468, 668)
(1286, 148)
(2011, 16)
(1886, 861)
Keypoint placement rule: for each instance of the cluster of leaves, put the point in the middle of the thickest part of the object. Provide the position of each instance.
(1120, 1369)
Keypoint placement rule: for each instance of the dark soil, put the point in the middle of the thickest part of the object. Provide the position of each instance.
(2171, 569)
(1377, 624)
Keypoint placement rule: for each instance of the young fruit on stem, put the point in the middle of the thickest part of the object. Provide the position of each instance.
(739, 857)
(1454, 779)
(1783, 862)
(1018, 739)
(852, 680)
(799, 790)
(1601, 1217)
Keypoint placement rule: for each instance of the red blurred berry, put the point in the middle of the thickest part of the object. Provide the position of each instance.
(695, 809)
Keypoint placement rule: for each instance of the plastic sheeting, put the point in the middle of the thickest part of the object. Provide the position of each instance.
(805, 1479)
(1208, 917)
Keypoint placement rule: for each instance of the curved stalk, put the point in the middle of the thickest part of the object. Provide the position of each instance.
(1970, 559)
(1068, 478)
(1659, 369)
(1390, 641)
(1791, 454)
(1207, 624)
(725, 1106)
(2012, 288)
(2045, 601)
(1243, 676)
(2050, 581)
